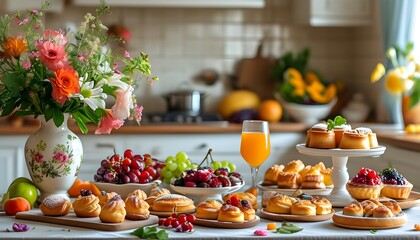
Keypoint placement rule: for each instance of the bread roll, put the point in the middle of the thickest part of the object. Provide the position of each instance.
(393, 206)
(353, 209)
(173, 202)
(382, 212)
(303, 207)
(323, 205)
(208, 209)
(294, 166)
(230, 213)
(55, 205)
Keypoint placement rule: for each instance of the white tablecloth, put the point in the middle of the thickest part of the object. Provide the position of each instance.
(312, 230)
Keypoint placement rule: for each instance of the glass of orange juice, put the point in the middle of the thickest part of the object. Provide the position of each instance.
(255, 145)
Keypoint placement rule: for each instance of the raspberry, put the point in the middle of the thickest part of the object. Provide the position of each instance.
(215, 183)
(191, 177)
(190, 184)
(203, 175)
(235, 174)
(224, 180)
(234, 200)
(222, 171)
(371, 174)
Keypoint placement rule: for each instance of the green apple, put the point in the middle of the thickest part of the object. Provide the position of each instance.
(25, 190)
(20, 179)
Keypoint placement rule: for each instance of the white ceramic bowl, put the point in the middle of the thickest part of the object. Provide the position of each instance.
(203, 194)
(308, 114)
(124, 189)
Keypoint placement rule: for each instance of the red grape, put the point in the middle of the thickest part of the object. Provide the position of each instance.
(151, 171)
(160, 222)
(191, 218)
(182, 218)
(174, 223)
(128, 154)
(167, 222)
(126, 161)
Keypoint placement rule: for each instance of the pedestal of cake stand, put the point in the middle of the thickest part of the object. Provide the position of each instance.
(339, 196)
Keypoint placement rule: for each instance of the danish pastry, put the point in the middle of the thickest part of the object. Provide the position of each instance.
(313, 181)
(270, 176)
(303, 207)
(55, 205)
(280, 204)
(243, 196)
(86, 205)
(173, 202)
(322, 205)
(246, 208)
(230, 213)
(294, 166)
(288, 180)
(353, 209)
(113, 211)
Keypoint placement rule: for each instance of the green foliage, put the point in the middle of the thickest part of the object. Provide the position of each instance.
(150, 233)
(290, 60)
(338, 121)
(288, 228)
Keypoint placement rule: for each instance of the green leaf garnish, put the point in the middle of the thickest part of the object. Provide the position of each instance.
(338, 121)
(288, 228)
(373, 231)
(150, 233)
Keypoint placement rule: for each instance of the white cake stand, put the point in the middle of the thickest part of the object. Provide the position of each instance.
(339, 196)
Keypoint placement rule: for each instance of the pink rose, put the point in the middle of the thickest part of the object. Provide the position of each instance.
(123, 103)
(52, 55)
(38, 157)
(138, 112)
(108, 122)
(60, 157)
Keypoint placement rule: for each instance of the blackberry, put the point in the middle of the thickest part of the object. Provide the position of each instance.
(179, 182)
(85, 192)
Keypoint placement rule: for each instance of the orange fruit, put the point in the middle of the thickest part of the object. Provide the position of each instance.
(78, 185)
(15, 205)
(270, 110)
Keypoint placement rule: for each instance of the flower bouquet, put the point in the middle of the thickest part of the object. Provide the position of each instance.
(51, 73)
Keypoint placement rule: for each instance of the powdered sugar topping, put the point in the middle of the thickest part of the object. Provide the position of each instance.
(54, 200)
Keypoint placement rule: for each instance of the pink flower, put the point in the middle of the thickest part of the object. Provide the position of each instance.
(26, 65)
(138, 112)
(38, 157)
(60, 157)
(35, 12)
(123, 103)
(116, 68)
(56, 37)
(52, 55)
(126, 54)
(108, 122)
(23, 22)
(33, 54)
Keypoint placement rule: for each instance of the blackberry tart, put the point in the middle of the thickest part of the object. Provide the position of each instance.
(366, 184)
(396, 185)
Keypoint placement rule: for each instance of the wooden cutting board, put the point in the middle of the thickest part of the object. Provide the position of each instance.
(256, 74)
(93, 223)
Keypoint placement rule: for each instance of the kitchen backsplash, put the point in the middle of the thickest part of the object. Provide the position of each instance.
(183, 41)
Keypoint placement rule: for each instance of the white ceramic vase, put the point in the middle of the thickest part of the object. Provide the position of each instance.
(53, 156)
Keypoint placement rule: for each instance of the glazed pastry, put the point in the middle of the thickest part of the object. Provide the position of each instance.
(104, 197)
(270, 176)
(319, 167)
(246, 207)
(136, 208)
(320, 137)
(173, 202)
(138, 193)
(113, 211)
(294, 166)
(369, 205)
(353, 209)
(323, 205)
(382, 212)
(313, 179)
(365, 185)
(306, 170)
(393, 206)
(230, 213)
(303, 207)
(208, 209)
(396, 186)
(87, 204)
(355, 139)
(280, 204)
(157, 191)
(338, 131)
(55, 205)
(266, 196)
(373, 140)
(288, 180)
(243, 196)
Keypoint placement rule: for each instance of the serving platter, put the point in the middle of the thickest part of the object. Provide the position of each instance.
(296, 218)
(353, 222)
(93, 223)
(232, 225)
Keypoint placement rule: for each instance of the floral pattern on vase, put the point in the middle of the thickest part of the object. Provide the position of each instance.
(53, 158)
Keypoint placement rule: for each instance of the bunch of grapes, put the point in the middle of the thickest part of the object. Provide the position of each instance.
(129, 168)
(175, 165)
(209, 178)
(223, 164)
(181, 223)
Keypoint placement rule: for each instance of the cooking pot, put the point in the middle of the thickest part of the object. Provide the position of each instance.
(186, 101)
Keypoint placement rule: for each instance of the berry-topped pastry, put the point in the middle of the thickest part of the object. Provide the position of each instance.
(366, 184)
(395, 185)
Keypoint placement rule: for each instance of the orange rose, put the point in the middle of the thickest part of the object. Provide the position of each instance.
(14, 47)
(65, 84)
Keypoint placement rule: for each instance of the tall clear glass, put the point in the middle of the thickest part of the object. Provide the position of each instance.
(255, 145)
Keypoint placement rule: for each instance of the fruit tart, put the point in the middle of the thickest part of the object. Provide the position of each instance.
(365, 185)
(395, 185)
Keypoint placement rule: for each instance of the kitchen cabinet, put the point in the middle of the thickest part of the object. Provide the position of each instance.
(329, 13)
(12, 160)
(177, 3)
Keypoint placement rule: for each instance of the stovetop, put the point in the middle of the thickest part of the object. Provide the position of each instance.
(183, 119)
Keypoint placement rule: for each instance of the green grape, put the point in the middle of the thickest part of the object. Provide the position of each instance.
(163, 171)
(181, 156)
(177, 172)
(172, 166)
(225, 164)
(170, 158)
(231, 167)
(194, 166)
(216, 165)
(172, 180)
(182, 166)
(168, 175)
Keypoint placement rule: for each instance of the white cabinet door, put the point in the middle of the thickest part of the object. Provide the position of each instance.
(333, 12)
(12, 160)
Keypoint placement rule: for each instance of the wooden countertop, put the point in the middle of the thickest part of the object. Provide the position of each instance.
(395, 138)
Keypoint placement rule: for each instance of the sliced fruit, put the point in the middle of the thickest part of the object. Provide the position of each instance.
(78, 185)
